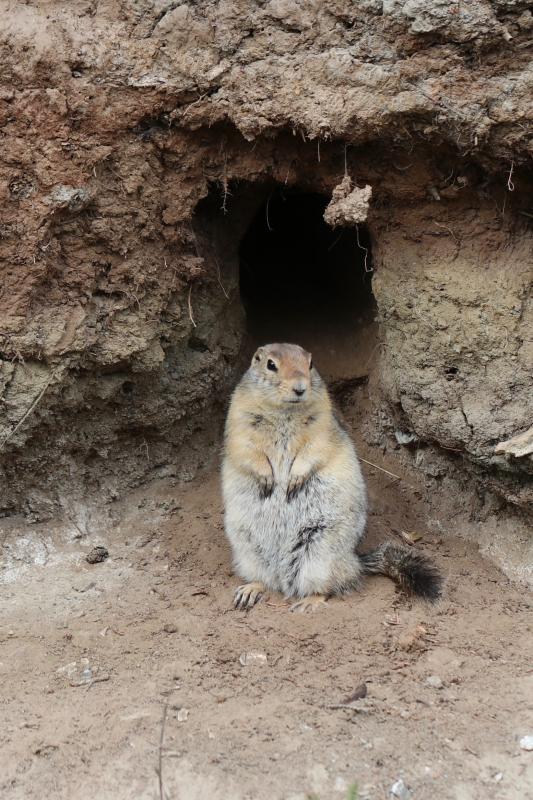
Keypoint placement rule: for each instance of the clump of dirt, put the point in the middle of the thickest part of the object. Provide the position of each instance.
(348, 205)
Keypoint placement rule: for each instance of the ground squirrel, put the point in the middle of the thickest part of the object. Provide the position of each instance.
(294, 495)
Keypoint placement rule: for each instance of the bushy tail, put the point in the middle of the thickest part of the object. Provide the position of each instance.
(412, 572)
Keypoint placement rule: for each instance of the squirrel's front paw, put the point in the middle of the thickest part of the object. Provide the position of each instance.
(296, 484)
(266, 485)
(247, 595)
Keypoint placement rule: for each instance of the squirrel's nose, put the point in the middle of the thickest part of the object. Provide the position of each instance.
(299, 390)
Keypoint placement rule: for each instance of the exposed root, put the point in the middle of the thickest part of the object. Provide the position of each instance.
(190, 307)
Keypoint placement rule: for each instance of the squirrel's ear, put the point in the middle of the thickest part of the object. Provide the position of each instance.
(310, 361)
(257, 355)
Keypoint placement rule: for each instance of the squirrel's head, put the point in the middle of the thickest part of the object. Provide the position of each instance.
(285, 372)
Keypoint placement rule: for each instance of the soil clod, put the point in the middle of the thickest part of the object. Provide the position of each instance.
(97, 555)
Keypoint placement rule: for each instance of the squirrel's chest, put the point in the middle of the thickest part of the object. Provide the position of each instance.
(282, 442)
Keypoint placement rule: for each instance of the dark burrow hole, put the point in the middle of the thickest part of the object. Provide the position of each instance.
(302, 281)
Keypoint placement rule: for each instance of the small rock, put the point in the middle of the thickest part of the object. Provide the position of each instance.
(83, 586)
(183, 714)
(498, 777)
(249, 659)
(525, 21)
(357, 694)
(71, 197)
(434, 681)
(68, 669)
(45, 749)
(526, 742)
(97, 554)
(86, 674)
(169, 627)
(400, 790)
(341, 784)
(414, 639)
(405, 437)
(78, 673)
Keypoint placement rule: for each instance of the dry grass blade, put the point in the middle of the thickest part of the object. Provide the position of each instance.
(381, 469)
(27, 414)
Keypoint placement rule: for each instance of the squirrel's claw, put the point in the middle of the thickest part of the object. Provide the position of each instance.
(296, 484)
(266, 486)
(247, 595)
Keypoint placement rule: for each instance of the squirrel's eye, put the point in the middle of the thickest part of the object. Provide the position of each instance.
(271, 366)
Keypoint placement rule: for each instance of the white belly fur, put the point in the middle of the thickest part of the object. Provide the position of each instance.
(303, 546)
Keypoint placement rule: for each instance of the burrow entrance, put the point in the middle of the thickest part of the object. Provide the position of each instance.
(298, 279)
(302, 281)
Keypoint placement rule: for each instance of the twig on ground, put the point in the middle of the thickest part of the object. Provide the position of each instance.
(386, 471)
(159, 769)
(88, 684)
(347, 707)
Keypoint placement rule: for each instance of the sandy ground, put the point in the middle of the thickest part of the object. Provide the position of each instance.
(93, 657)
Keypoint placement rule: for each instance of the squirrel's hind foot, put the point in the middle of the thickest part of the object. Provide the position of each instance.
(311, 603)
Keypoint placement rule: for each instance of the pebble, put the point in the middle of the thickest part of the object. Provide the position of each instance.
(97, 555)
(183, 714)
(83, 586)
(248, 659)
(405, 437)
(526, 742)
(434, 681)
(400, 790)
(169, 627)
(78, 672)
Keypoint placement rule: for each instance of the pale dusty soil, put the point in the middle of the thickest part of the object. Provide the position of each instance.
(156, 624)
